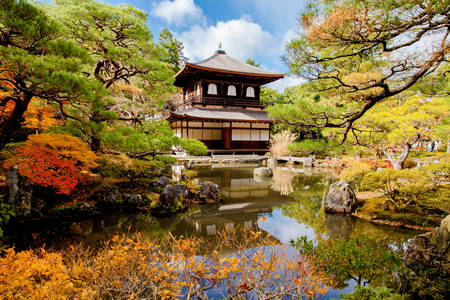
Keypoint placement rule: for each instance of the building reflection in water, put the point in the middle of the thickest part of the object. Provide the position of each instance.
(244, 200)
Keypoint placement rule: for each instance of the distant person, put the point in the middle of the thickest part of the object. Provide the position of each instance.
(432, 146)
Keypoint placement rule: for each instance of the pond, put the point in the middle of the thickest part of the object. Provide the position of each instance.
(286, 206)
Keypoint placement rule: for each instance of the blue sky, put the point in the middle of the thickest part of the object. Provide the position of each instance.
(256, 29)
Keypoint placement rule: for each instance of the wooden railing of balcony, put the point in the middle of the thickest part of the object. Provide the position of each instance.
(223, 101)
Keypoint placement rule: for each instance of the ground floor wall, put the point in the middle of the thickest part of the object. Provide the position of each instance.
(225, 134)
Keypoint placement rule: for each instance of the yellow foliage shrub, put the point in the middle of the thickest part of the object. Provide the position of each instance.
(164, 268)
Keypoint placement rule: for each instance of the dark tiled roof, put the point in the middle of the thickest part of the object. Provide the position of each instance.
(223, 114)
(222, 61)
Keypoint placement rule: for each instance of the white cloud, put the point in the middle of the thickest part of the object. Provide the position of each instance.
(179, 12)
(280, 15)
(241, 38)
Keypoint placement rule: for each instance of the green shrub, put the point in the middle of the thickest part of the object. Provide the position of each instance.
(168, 160)
(437, 173)
(144, 169)
(429, 284)
(360, 258)
(189, 174)
(110, 168)
(193, 146)
(6, 212)
(121, 166)
(368, 293)
(355, 174)
(401, 187)
(308, 147)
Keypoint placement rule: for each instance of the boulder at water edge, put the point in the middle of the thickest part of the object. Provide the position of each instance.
(431, 249)
(161, 183)
(262, 172)
(272, 162)
(341, 198)
(209, 192)
(171, 198)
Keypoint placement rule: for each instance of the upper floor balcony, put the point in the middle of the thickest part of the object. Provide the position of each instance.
(220, 101)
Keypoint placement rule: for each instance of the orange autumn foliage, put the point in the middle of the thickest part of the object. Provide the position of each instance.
(38, 115)
(54, 160)
(37, 275)
(137, 267)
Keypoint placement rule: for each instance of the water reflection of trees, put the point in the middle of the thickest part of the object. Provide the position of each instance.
(308, 193)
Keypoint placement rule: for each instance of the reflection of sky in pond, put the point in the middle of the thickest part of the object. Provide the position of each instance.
(284, 228)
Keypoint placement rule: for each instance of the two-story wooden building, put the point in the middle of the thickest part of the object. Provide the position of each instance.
(220, 104)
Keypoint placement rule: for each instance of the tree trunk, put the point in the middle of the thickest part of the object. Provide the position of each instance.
(13, 123)
(398, 163)
(448, 145)
(95, 143)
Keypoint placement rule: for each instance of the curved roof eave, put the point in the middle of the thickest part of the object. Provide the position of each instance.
(271, 75)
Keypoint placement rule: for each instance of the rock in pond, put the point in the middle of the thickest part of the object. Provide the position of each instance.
(161, 183)
(263, 172)
(341, 198)
(272, 162)
(209, 192)
(172, 196)
(431, 249)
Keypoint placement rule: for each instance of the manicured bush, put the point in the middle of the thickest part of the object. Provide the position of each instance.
(193, 147)
(308, 147)
(166, 159)
(355, 174)
(369, 293)
(401, 187)
(122, 166)
(189, 174)
(438, 173)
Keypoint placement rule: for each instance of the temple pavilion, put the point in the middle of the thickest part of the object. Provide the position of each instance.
(220, 104)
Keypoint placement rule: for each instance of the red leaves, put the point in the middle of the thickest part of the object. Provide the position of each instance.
(51, 161)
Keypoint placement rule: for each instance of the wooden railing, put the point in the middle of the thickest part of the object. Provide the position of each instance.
(223, 101)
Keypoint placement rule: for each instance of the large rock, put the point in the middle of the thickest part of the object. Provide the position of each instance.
(20, 192)
(431, 249)
(172, 197)
(133, 200)
(209, 192)
(263, 172)
(161, 183)
(272, 162)
(340, 198)
(445, 223)
(109, 196)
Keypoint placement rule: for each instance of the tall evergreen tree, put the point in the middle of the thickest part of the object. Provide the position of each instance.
(172, 50)
(122, 58)
(36, 62)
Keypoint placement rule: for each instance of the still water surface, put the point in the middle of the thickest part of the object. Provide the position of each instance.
(286, 206)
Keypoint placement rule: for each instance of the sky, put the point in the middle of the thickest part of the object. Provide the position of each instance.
(256, 29)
